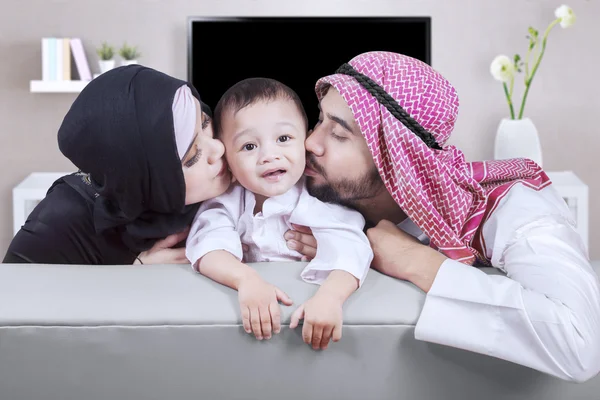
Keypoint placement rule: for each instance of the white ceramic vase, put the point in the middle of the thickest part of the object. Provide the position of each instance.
(129, 62)
(517, 138)
(106, 65)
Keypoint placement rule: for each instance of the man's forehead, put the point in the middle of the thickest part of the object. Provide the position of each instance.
(334, 104)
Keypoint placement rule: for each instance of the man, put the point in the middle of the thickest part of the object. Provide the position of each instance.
(379, 147)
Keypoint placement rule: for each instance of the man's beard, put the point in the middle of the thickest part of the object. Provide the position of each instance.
(344, 191)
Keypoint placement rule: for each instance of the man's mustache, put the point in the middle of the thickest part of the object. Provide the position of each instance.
(312, 164)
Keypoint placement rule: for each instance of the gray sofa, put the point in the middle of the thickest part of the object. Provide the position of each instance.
(165, 332)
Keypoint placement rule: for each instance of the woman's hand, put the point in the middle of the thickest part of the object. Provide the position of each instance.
(302, 240)
(163, 253)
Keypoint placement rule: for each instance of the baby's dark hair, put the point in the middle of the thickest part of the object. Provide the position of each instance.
(250, 91)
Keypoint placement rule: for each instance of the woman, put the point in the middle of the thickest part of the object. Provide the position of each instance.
(143, 144)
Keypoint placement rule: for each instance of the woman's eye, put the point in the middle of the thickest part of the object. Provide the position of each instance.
(192, 161)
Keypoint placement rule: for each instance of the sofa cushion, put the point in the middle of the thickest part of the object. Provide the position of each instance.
(166, 332)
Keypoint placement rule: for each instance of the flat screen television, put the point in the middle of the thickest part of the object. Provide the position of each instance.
(294, 50)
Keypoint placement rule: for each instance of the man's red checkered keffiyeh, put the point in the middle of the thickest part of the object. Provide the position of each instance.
(446, 197)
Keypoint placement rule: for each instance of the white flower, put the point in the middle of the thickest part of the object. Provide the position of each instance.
(566, 15)
(502, 68)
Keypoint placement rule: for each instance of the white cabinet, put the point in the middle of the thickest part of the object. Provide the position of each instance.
(575, 193)
(28, 193)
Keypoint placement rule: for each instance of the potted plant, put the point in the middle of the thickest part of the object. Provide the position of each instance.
(106, 54)
(517, 136)
(130, 54)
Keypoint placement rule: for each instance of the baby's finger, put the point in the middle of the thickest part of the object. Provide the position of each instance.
(265, 321)
(337, 332)
(246, 319)
(275, 316)
(327, 332)
(255, 322)
(296, 317)
(307, 332)
(317, 334)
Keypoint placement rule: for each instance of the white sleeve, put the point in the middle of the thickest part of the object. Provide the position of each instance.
(341, 242)
(214, 227)
(544, 314)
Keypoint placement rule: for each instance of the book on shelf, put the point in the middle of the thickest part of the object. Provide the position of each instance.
(57, 57)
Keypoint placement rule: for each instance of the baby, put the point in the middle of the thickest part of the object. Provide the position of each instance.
(263, 125)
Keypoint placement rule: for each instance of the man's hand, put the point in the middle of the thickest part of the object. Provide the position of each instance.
(302, 240)
(163, 253)
(261, 313)
(392, 249)
(322, 316)
(402, 256)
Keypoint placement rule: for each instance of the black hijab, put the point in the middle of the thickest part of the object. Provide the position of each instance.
(119, 132)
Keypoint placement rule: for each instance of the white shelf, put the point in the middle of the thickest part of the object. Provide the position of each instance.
(57, 86)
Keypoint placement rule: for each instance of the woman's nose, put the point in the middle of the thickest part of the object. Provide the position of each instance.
(217, 149)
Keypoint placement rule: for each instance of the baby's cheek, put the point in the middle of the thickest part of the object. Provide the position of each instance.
(229, 157)
(237, 164)
(242, 170)
(302, 156)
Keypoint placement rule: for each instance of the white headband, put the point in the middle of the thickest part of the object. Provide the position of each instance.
(184, 119)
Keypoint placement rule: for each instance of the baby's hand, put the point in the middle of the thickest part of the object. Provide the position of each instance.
(260, 310)
(322, 316)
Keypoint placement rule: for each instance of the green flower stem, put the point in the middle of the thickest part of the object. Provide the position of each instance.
(536, 65)
(531, 45)
(508, 98)
(512, 86)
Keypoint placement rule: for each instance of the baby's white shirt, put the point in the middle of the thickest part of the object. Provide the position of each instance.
(227, 221)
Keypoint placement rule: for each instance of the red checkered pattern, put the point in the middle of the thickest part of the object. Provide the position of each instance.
(447, 198)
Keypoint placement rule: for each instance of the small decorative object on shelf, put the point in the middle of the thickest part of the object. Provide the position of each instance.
(106, 54)
(56, 59)
(130, 54)
(57, 74)
(518, 136)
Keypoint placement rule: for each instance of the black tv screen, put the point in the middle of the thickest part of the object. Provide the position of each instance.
(294, 50)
